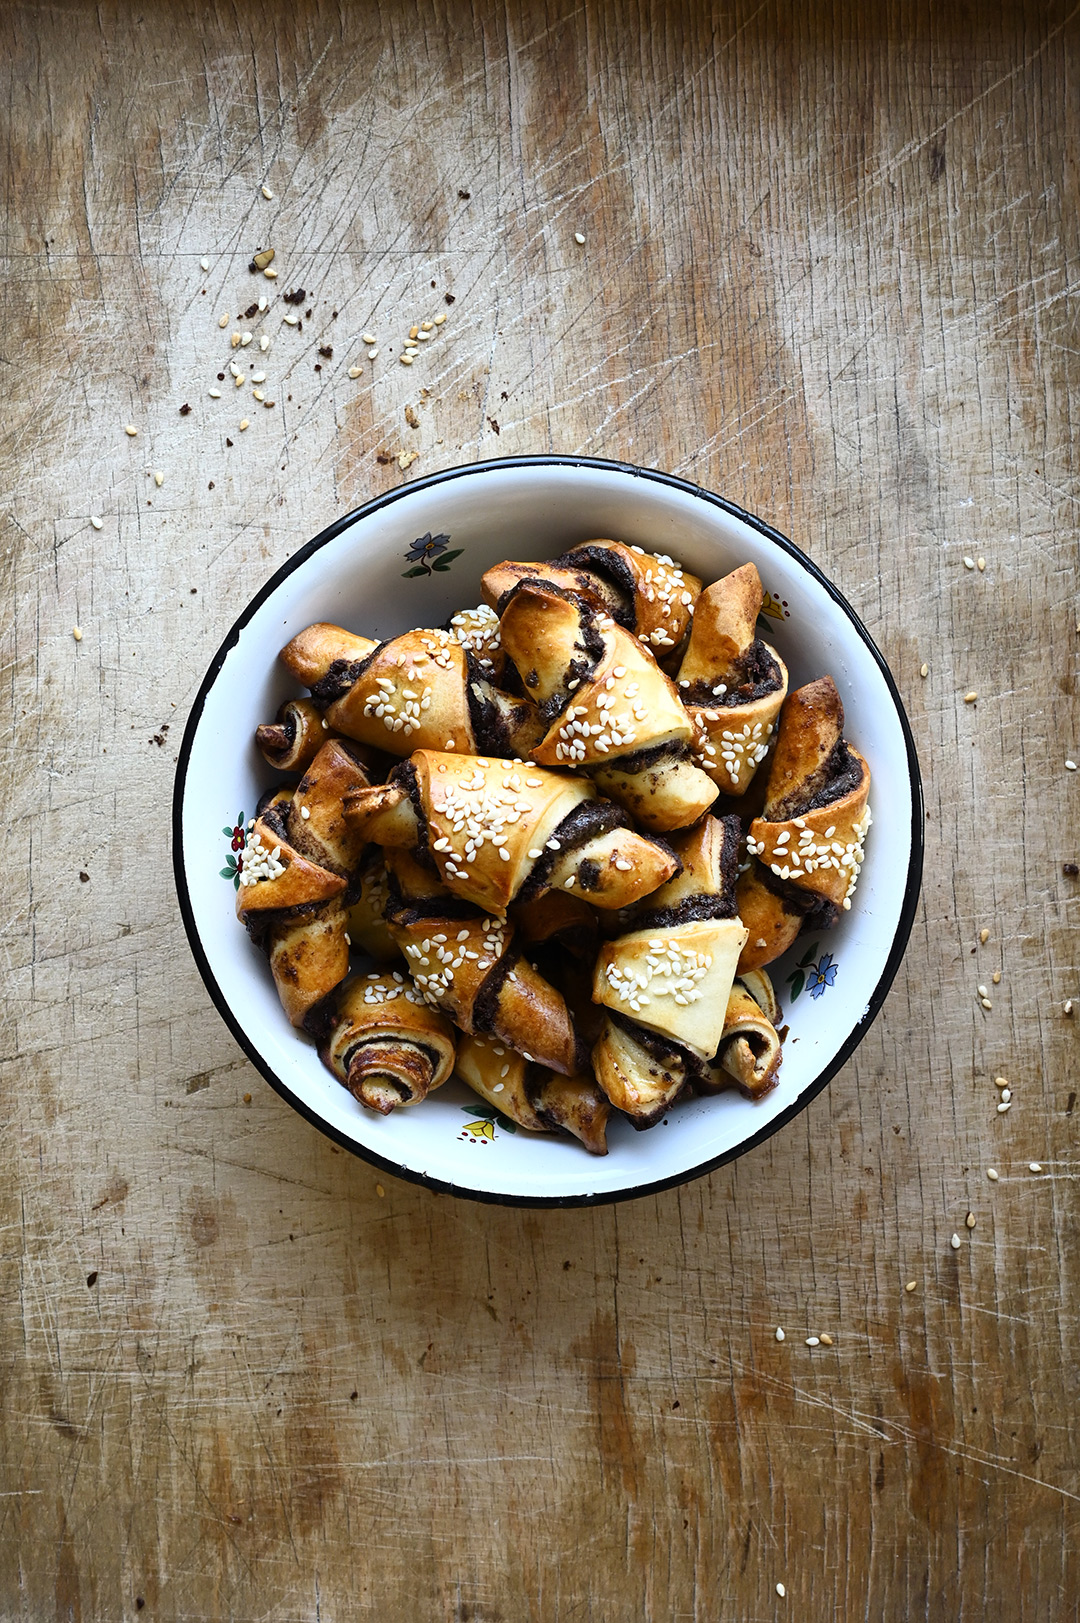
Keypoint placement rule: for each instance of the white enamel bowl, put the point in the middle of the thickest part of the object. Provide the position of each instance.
(355, 574)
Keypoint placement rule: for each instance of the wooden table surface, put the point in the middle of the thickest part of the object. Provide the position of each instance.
(830, 270)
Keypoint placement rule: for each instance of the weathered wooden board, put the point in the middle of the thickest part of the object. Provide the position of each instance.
(830, 269)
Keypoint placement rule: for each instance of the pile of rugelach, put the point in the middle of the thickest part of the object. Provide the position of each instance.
(548, 824)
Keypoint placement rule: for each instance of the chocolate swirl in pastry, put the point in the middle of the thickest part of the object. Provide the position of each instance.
(425, 689)
(533, 1096)
(611, 710)
(731, 682)
(750, 1052)
(645, 593)
(383, 1042)
(468, 964)
(495, 830)
(811, 831)
(292, 741)
(297, 865)
(666, 984)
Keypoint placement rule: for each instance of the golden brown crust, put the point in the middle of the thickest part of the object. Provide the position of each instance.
(822, 850)
(576, 1104)
(771, 923)
(498, 1074)
(638, 1083)
(308, 958)
(311, 653)
(316, 821)
(411, 694)
(385, 1044)
(294, 738)
(300, 881)
(665, 595)
(750, 1053)
(725, 616)
(810, 728)
(674, 981)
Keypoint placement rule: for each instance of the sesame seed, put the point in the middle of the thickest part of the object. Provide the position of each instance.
(969, 563)
(373, 355)
(1034, 1166)
(984, 936)
(579, 238)
(270, 273)
(406, 360)
(380, 1191)
(1006, 1095)
(779, 1333)
(243, 424)
(986, 1003)
(969, 1220)
(96, 522)
(1070, 766)
(159, 478)
(924, 670)
(267, 193)
(1067, 1006)
(826, 1341)
(131, 431)
(76, 632)
(439, 319)
(996, 977)
(912, 1284)
(355, 371)
(955, 1242)
(1003, 1107)
(781, 1591)
(290, 320)
(969, 698)
(499, 1087)
(815, 1341)
(223, 321)
(215, 394)
(264, 341)
(983, 992)
(245, 340)
(204, 264)
(991, 1173)
(980, 564)
(305, 813)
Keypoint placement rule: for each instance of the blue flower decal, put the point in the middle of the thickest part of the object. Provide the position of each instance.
(424, 551)
(821, 974)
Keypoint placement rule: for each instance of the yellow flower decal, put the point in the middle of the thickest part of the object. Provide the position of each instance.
(775, 607)
(480, 1129)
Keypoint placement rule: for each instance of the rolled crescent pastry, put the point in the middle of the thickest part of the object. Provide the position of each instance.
(467, 964)
(366, 922)
(423, 689)
(384, 1043)
(731, 682)
(750, 1052)
(294, 738)
(534, 1097)
(646, 593)
(815, 818)
(612, 711)
(496, 829)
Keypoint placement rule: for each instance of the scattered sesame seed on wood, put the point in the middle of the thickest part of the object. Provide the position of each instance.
(1006, 1095)
(204, 264)
(264, 342)
(1034, 1166)
(980, 564)
(781, 1591)
(373, 353)
(159, 478)
(1003, 1107)
(441, 317)
(969, 1220)
(130, 430)
(992, 1174)
(368, 338)
(826, 1341)
(95, 521)
(1070, 766)
(779, 1333)
(996, 977)
(267, 193)
(579, 238)
(355, 371)
(270, 273)
(970, 698)
(813, 1341)
(290, 320)
(984, 936)
(223, 321)
(380, 1191)
(912, 1284)
(969, 563)
(955, 1242)
(215, 394)
(924, 669)
(1067, 1007)
(76, 632)
(243, 424)
(406, 360)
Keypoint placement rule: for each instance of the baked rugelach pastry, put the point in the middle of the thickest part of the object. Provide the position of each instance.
(611, 711)
(468, 964)
(294, 884)
(367, 915)
(665, 985)
(293, 739)
(644, 592)
(536, 1098)
(774, 914)
(811, 830)
(425, 689)
(750, 1051)
(496, 829)
(383, 1042)
(731, 682)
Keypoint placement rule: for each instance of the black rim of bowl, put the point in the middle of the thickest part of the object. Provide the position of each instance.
(899, 942)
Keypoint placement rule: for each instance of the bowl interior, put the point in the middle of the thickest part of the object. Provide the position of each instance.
(360, 578)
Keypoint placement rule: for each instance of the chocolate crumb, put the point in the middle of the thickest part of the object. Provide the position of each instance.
(195, 589)
(1070, 868)
(184, 409)
(326, 351)
(84, 876)
(91, 1279)
(353, 1396)
(296, 297)
(139, 1603)
(252, 310)
(449, 297)
(210, 486)
(228, 442)
(383, 459)
(464, 196)
(221, 377)
(318, 368)
(493, 425)
(307, 315)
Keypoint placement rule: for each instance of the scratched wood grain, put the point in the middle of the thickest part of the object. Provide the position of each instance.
(830, 269)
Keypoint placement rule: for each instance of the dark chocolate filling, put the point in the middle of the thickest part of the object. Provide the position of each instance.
(402, 913)
(610, 571)
(429, 1054)
(818, 912)
(840, 775)
(340, 678)
(273, 816)
(490, 725)
(754, 674)
(405, 775)
(653, 755)
(485, 1006)
(587, 819)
